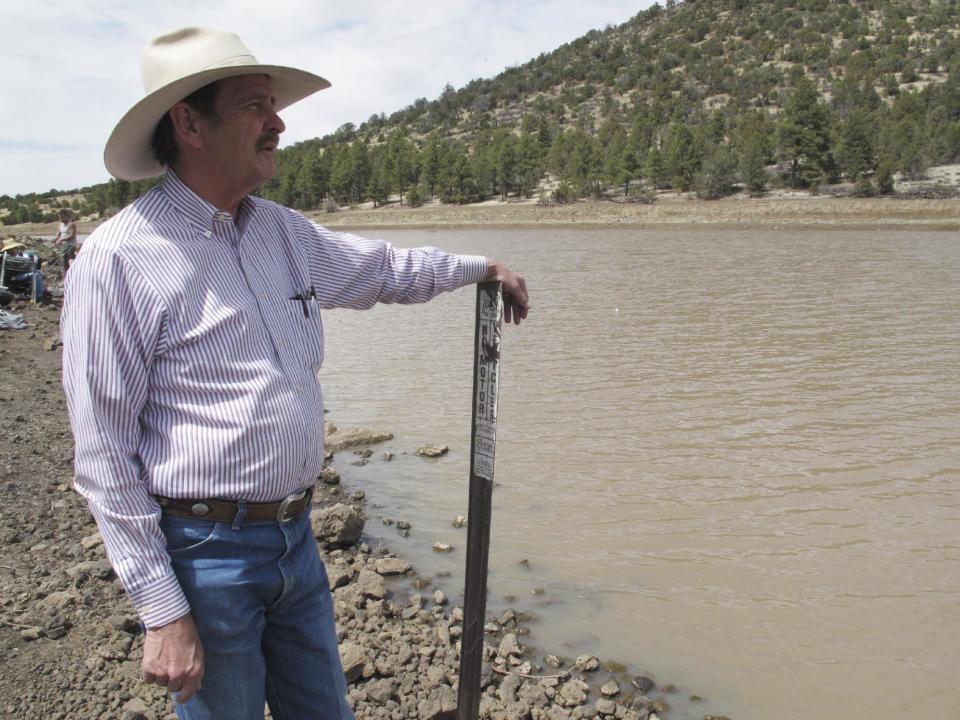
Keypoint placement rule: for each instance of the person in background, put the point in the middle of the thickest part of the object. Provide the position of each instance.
(67, 236)
(25, 282)
(192, 333)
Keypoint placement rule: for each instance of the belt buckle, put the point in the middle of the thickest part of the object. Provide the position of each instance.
(286, 503)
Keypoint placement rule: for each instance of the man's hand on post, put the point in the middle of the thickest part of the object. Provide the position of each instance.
(516, 300)
(173, 658)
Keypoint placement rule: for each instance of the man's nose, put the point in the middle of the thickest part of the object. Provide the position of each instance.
(275, 123)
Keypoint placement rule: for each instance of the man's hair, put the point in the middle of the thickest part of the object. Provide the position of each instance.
(164, 143)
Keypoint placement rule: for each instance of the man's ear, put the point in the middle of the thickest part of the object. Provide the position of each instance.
(186, 124)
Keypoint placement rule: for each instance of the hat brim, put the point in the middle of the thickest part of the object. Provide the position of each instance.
(128, 154)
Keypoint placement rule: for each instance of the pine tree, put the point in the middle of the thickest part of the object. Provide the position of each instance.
(682, 154)
(856, 147)
(718, 173)
(804, 135)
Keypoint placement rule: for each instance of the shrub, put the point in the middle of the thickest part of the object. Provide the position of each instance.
(863, 186)
(414, 198)
(564, 193)
(884, 178)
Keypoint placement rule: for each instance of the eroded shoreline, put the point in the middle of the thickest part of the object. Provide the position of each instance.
(823, 212)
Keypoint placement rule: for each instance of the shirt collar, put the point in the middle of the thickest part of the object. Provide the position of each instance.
(198, 211)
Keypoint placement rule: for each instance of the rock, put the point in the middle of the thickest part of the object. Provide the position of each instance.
(433, 677)
(587, 663)
(137, 709)
(114, 651)
(91, 541)
(99, 569)
(643, 684)
(371, 584)
(433, 451)
(509, 646)
(439, 598)
(610, 689)
(31, 633)
(56, 601)
(605, 706)
(509, 687)
(339, 577)
(329, 476)
(440, 701)
(56, 632)
(459, 521)
(353, 658)
(403, 525)
(52, 344)
(349, 596)
(380, 691)
(573, 692)
(387, 456)
(337, 525)
(124, 623)
(661, 706)
(422, 582)
(342, 438)
(392, 566)
(553, 661)
(442, 547)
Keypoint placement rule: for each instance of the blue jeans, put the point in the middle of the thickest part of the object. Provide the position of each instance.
(261, 602)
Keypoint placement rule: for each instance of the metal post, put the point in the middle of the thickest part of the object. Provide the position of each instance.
(486, 380)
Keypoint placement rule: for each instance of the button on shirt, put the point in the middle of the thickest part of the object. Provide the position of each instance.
(192, 341)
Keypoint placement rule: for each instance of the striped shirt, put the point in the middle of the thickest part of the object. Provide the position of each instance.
(191, 350)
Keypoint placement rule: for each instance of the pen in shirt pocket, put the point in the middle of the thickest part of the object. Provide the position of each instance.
(302, 299)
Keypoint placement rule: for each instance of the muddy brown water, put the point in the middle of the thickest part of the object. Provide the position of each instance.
(728, 458)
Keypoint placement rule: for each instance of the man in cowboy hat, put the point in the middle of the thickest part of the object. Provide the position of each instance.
(192, 339)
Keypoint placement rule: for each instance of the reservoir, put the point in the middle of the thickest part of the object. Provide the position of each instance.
(729, 459)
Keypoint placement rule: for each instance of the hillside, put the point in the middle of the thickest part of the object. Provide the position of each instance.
(710, 95)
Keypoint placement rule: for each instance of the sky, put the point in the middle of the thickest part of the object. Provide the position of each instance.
(70, 68)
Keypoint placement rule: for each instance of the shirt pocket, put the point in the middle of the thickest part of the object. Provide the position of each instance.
(297, 335)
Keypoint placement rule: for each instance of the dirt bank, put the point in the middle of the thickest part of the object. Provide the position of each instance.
(773, 211)
(776, 209)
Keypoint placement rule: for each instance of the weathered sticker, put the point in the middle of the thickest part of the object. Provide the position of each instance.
(486, 382)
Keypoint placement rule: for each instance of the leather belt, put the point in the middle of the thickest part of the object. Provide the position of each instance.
(216, 510)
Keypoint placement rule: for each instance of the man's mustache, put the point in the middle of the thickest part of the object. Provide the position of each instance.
(267, 139)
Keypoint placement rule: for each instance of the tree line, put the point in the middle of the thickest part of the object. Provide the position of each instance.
(807, 143)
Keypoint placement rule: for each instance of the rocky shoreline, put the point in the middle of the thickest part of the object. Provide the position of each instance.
(69, 637)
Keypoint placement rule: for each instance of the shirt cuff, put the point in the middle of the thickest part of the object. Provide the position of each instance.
(161, 602)
(474, 268)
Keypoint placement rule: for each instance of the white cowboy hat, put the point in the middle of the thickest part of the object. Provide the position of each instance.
(177, 64)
